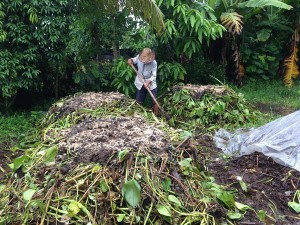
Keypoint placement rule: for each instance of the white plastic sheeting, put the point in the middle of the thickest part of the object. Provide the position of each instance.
(279, 139)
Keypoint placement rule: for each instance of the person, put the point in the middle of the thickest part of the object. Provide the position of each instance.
(147, 67)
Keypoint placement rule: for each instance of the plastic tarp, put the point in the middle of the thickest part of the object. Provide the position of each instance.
(279, 139)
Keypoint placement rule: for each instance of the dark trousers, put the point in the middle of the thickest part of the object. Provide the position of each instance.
(141, 95)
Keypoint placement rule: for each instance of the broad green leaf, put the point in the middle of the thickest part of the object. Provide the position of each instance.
(227, 199)
(174, 199)
(131, 190)
(51, 153)
(164, 210)
(241, 206)
(263, 35)
(234, 215)
(18, 162)
(166, 183)
(27, 195)
(120, 217)
(295, 206)
(104, 187)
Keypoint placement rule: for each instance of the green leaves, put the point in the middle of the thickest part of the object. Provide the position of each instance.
(51, 153)
(123, 76)
(227, 199)
(295, 205)
(18, 162)
(189, 25)
(164, 210)
(131, 190)
(264, 3)
(175, 200)
(28, 194)
(170, 73)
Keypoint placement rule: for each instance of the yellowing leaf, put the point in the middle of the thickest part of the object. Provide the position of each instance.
(290, 63)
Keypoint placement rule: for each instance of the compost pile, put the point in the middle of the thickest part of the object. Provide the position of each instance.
(110, 161)
(98, 139)
(88, 100)
(105, 167)
(207, 106)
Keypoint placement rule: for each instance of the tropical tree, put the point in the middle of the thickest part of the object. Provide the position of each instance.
(34, 36)
(145, 9)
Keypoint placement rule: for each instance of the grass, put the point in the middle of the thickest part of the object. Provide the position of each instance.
(271, 92)
(14, 128)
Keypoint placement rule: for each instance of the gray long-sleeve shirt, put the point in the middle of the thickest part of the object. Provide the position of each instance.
(148, 71)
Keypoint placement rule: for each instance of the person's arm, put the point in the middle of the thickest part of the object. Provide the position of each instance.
(132, 61)
(153, 74)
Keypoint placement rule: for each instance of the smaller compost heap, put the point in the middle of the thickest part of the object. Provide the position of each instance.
(207, 106)
(88, 100)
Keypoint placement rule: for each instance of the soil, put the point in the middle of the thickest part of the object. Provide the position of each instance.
(270, 186)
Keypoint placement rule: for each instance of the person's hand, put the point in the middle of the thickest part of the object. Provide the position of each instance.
(147, 83)
(130, 62)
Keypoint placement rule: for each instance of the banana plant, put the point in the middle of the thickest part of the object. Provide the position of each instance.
(290, 63)
(291, 69)
(232, 14)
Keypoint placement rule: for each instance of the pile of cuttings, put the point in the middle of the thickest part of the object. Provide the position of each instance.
(89, 100)
(197, 92)
(108, 171)
(99, 139)
(209, 106)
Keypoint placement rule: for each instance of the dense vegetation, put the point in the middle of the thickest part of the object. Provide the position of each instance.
(98, 157)
(54, 48)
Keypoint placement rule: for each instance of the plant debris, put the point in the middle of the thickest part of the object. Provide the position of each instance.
(116, 163)
(207, 107)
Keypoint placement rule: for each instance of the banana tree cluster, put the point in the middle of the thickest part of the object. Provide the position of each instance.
(232, 15)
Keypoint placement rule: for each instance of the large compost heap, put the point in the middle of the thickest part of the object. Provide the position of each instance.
(103, 159)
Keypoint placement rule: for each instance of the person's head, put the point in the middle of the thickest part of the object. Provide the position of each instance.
(147, 56)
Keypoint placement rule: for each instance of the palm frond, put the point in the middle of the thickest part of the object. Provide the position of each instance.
(290, 63)
(232, 21)
(146, 9)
